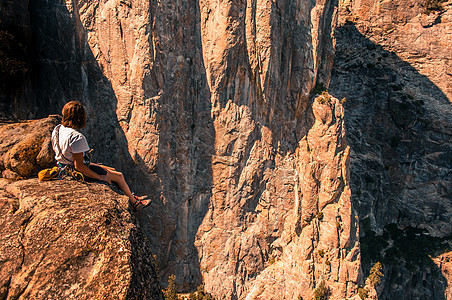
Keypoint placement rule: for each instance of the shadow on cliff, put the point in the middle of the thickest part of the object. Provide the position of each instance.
(185, 141)
(64, 69)
(393, 125)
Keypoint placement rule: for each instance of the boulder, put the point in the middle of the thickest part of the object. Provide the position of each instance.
(63, 239)
(26, 147)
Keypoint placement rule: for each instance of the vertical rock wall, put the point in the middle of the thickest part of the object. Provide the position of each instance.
(393, 66)
(206, 106)
(273, 177)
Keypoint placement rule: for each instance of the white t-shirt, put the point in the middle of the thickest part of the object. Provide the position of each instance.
(70, 141)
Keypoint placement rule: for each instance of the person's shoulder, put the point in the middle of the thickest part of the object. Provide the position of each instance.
(57, 127)
(76, 135)
(71, 133)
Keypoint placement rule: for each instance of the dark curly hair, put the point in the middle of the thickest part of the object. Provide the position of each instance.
(74, 115)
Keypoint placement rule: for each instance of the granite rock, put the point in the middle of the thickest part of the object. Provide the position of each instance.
(26, 147)
(63, 239)
(207, 107)
(392, 61)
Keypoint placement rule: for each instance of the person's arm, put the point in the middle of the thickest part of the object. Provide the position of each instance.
(80, 166)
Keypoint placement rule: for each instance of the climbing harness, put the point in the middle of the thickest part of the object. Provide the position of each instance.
(69, 171)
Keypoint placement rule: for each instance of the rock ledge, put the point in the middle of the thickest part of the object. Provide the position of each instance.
(63, 239)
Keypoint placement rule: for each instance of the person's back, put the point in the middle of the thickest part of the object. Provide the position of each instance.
(65, 142)
(69, 146)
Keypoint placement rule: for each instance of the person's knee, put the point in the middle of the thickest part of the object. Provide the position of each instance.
(119, 176)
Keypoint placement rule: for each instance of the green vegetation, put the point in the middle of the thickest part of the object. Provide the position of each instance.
(375, 274)
(395, 247)
(318, 89)
(374, 279)
(170, 293)
(324, 98)
(200, 294)
(322, 292)
(363, 293)
(433, 5)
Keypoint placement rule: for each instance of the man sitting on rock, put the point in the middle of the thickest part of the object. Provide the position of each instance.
(69, 146)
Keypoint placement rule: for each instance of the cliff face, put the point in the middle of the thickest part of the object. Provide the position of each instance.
(393, 66)
(213, 99)
(207, 107)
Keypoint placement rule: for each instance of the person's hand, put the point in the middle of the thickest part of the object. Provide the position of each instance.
(107, 179)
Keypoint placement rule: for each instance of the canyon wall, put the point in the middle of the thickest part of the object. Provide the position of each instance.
(208, 107)
(393, 66)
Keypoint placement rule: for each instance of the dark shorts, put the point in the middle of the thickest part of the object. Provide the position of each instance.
(96, 169)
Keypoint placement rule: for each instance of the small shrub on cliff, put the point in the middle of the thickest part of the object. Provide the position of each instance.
(318, 89)
(322, 292)
(320, 216)
(363, 293)
(170, 292)
(375, 274)
(200, 294)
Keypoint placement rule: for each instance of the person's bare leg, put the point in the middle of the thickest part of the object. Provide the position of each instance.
(103, 166)
(118, 178)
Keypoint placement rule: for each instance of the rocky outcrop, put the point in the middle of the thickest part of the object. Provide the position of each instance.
(68, 240)
(299, 230)
(392, 67)
(26, 147)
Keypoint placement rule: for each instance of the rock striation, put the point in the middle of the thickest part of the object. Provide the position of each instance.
(392, 66)
(308, 234)
(67, 240)
(207, 106)
(214, 108)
